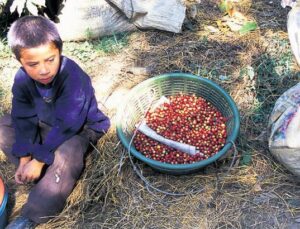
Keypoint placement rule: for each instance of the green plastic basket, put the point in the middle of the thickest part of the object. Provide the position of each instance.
(142, 95)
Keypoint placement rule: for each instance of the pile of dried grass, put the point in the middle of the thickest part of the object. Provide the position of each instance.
(261, 194)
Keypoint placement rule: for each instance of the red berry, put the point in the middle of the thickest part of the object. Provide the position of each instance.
(188, 119)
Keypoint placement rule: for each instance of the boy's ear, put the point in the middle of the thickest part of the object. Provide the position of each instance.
(17, 60)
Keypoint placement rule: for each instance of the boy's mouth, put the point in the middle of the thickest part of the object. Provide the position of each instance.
(47, 80)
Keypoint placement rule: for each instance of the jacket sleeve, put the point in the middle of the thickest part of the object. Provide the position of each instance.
(98, 121)
(25, 121)
(71, 109)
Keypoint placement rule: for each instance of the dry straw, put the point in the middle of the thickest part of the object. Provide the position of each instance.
(260, 194)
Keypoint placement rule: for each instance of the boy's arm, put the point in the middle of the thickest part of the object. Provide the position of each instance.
(19, 172)
(71, 110)
(25, 122)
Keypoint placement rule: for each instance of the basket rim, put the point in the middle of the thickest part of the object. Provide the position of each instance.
(199, 164)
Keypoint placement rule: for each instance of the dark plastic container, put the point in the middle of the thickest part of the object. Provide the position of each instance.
(3, 206)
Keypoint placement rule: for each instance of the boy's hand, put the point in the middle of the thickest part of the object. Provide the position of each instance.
(32, 170)
(18, 174)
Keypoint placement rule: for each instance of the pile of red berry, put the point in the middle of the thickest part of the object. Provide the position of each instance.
(188, 119)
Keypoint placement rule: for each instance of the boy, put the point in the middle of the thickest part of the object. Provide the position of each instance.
(54, 117)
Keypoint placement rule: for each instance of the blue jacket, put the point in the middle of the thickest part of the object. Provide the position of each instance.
(72, 106)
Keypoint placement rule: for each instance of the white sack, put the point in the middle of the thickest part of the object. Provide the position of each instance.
(284, 140)
(82, 20)
(165, 15)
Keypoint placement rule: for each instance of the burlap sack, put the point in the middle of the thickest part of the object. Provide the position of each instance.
(82, 20)
(284, 123)
(154, 14)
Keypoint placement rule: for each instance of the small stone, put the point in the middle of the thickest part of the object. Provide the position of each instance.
(257, 188)
(223, 77)
(297, 220)
(212, 29)
(295, 203)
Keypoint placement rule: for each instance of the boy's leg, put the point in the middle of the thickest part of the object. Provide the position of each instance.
(7, 138)
(48, 196)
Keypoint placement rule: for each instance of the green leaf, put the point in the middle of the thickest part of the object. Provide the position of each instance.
(223, 6)
(17, 5)
(3, 2)
(30, 5)
(32, 8)
(248, 27)
(33, 5)
(39, 2)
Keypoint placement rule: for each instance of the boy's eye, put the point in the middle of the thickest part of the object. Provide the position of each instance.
(51, 59)
(33, 64)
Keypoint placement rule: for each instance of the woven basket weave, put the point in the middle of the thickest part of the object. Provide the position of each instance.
(148, 92)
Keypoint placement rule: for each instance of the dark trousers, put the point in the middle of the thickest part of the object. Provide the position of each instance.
(49, 194)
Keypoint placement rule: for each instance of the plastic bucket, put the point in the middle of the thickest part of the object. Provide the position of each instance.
(3, 206)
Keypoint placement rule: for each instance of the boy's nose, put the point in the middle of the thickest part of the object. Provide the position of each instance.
(43, 70)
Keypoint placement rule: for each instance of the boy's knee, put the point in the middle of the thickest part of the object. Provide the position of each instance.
(6, 131)
(71, 152)
(2, 133)
(75, 146)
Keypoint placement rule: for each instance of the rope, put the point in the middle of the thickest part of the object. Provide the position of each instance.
(218, 178)
(149, 185)
(235, 152)
(147, 182)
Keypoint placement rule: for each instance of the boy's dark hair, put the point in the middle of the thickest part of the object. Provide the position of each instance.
(32, 31)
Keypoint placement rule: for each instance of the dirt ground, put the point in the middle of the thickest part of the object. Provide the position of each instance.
(257, 192)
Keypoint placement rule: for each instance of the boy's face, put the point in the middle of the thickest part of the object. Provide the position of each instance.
(41, 63)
